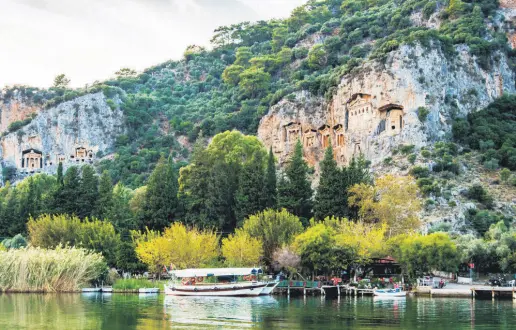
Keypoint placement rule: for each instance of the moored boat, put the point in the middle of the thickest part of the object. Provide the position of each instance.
(148, 290)
(91, 289)
(390, 293)
(233, 282)
(269, 288)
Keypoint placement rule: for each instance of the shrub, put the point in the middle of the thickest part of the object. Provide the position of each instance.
(426, 153)
(422, 114)
(420, 172)
(429, 9)
(505, 174)
(412, 158)
(407, 149)
(387, 161)
(479, 194)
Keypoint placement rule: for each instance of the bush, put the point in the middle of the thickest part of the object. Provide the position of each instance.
(387, 161)
(412, 158)
(132, 284)
(479, 194)
(407, 149)
(422, 114)
(426, 153)
(505, 174)
(420, 172)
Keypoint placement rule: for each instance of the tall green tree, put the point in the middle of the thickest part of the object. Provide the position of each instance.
(330, 200)
(88, 192)
(355, 173)
(105, 199)
(70, 196)
(12, 222)
(249, 196)
(295, 191)
(271, 192)
(161, 196)
(119, 212)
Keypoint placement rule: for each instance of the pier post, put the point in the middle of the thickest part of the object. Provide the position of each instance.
(513, 294)
(338, 291)
(492, 294)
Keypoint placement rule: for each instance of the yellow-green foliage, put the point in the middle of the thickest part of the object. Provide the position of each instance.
(180, 246)
(40, 270)
(48, 231)
(240, 249)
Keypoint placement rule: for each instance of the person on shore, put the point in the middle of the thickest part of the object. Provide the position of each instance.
(441, 284)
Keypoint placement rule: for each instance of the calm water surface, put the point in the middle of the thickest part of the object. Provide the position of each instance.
(119, 311)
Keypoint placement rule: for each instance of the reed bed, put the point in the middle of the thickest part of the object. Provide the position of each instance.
(135, 284)
(63, 269)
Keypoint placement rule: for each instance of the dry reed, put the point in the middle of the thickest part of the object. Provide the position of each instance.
(63, 269)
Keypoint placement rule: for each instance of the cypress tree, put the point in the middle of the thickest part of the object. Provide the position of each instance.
(88, 192)
(249, 196)
(161, 196)
(330, 200)
(70, 193)
(60, 180)
(295, 191)
(105, 200)
(270, 189)
(11, 215)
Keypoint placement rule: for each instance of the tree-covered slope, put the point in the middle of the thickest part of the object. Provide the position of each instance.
(252, 66)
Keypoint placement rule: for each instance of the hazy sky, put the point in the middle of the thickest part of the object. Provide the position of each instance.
(89, 40)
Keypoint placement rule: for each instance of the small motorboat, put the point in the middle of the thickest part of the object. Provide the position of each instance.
(107, 289)
(148, 290)
(91, 289)
(392, 293)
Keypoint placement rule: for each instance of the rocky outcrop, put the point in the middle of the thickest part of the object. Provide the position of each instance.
(15, 108)
(74, 133)
(376, 108)
(509, 13)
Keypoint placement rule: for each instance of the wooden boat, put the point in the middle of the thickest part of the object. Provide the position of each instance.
(390, 293)
(148, 290)
(223, 282)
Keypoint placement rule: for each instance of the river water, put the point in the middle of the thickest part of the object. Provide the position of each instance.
(130, 311)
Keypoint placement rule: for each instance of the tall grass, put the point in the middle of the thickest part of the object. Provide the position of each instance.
(62, 269)
(135, 284)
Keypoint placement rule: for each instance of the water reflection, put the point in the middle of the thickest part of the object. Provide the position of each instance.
(227, 312)
(141, 312)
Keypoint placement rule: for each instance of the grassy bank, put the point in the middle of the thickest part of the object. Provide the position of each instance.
(41, 270)
(133, 284)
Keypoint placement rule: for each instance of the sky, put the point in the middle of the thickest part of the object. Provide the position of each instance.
(90, 40)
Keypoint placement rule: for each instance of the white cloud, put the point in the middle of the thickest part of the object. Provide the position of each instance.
(89, 40)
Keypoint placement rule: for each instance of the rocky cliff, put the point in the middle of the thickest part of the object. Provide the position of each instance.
(74, 133)
(382, 105)
(16, 108)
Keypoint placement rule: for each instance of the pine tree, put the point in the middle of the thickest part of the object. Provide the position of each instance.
(295, 191)
(88, 192)
(249, 196)
(161, 196)
(270, 191)
(105, 199)
(330, 200)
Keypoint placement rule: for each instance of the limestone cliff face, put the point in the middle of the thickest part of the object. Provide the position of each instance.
(376, 108)
(75, 132)
(509, 12)
(16, 108)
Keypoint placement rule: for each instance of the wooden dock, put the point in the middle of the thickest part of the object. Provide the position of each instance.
(494, 292)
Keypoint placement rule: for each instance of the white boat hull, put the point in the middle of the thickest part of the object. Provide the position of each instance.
(216, 290)
(398, 294)
(269, 288)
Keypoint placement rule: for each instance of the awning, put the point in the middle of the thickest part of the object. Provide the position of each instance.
(207, 272)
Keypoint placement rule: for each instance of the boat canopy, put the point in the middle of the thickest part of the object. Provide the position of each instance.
(208, 272)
